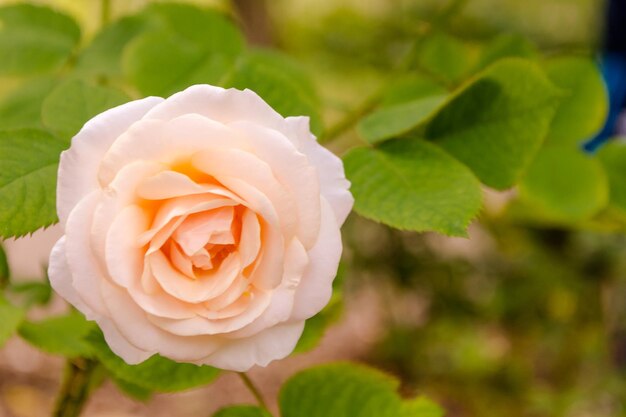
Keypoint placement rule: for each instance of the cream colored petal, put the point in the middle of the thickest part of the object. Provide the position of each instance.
(86, 269)
(334, 186)
(123, 254)
(174, 212)
(78, 168)
(280, 309)
(211, 284)
(130, 353)
(292, 169)
(120, 194)
(238, 289)
(132, 323)
(232, 167)
(224, 105)
(181, 261)
(161, 304)
(167, 142)
(242, 354)
(197, 326)
(194, 233)
(250, 242)
(168, 184)
(315, 288)
(61, 279)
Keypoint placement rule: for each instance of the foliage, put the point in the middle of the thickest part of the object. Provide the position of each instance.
(432, 120)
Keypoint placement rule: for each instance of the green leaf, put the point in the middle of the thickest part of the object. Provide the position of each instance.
(74, 102)
(5, 272)
(506, 46)
(61, 335)
(29, 160)
(279, 81)
(103, 56)
(134, 391)
(583, 110)
(192, 46)
(613, 158)
(398, 119)
(10, 319)
(344, 390)
(444, 57)
(155, 374)
(22, 107)
(497, 123)
(421, 407)
(32, 293)
(242, 411)
(409, 88)
(565, 185)
(411, 184)
(34, 39)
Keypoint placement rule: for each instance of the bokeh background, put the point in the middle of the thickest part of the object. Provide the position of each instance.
(519, 320)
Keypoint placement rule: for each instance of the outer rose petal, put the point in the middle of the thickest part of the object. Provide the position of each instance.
(61, 278)
(79, 164)
(269, 345)
(316, 286)
(222, 105)
(333, 183)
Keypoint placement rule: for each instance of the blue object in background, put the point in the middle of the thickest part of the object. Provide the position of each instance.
(613, 70)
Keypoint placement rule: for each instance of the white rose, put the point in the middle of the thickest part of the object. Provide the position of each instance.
(203, 227)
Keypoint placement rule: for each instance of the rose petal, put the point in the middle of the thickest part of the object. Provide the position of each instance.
(315, 288)
(210, 285)
(79, 164)
(334, 186)
(242, 354)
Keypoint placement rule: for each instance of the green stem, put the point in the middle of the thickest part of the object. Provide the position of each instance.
(76, 387)
(253, 389)
(105, 12)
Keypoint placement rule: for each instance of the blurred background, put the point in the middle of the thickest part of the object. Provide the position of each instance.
(523, 319)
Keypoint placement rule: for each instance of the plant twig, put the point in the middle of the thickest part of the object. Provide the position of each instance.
(253, 389)
(105, 12)
(75, 388)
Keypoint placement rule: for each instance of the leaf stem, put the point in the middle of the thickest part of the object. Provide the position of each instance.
(253, 389)
(75, 388)
(105, 12)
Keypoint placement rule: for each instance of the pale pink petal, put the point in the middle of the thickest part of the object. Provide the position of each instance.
(78, 169)
(224, 105)
(250, 242)
(210, 285)
(195, 232)
(196, 326)
(334, 186)
(315, 288)
(165, 142)
(168, 184)
(242, 354)
(292, 169)
(123, 254)
(86, 269)
(61, 278)
(132, 323)
(228, 164)
(131, 354)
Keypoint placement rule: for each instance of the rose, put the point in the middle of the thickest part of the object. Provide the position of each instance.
(203, 227)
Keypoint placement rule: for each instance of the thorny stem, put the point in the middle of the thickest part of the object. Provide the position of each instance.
(253, 389)
(75, 388)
